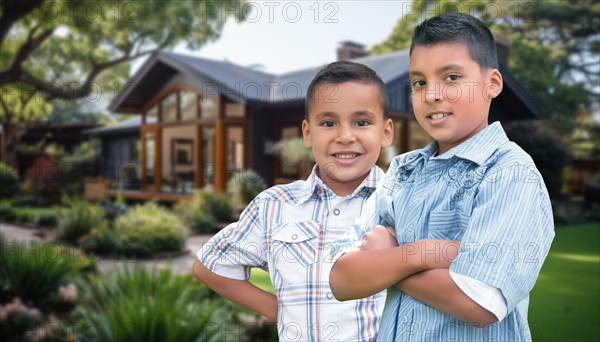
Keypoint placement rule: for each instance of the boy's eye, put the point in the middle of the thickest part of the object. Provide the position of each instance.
(418, 84)
(362, 123)
(327, 124)
(452, 77)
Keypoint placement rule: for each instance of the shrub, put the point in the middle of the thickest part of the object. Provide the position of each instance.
(148, 229)
(217, 205)
(134, 304)
(101, 241)
(199, 221)
(77, 221)
(545, 147)
(35, 272)
(9, 181)
(7, 214)
(47, 220)
(245, 185)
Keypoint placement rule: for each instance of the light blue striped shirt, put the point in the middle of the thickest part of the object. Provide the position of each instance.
(487, 193)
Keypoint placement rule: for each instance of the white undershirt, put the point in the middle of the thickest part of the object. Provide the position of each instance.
(487, 296)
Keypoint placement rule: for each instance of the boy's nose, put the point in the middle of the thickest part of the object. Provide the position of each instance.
(345, 135)
(433, 93)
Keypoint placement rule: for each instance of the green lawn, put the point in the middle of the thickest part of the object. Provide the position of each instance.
(261, 279)
(565, 302)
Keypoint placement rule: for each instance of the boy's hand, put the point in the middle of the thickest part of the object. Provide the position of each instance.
(437, 253)
(379, 238)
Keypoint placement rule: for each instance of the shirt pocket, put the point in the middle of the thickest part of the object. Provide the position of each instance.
(447, 225)
(294, 245)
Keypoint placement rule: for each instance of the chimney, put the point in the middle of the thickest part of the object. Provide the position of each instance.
(350, 50)
(501, 49)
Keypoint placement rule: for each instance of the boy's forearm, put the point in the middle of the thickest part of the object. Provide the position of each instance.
(436, 289)
(364, 273)
(241, 292)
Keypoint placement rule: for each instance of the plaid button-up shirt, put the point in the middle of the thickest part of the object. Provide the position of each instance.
(292, 231)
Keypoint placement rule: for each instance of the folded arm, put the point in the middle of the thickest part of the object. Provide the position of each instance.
(241, 292)
(436, 289)
(363, 273)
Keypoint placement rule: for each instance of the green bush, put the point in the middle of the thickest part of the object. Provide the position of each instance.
(76, 221)
(47, 220)
(34, 272)
(203, 223)
(195, 218)
(245, 185)
(218, 205)
(9, 181)
(148, 229)
(101, 241)
(7, 214)
(134, 304)
(545, 146)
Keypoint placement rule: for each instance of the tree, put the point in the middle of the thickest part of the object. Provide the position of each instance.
(74, 49)
(78, 40)
(554, 53)
(554, 48)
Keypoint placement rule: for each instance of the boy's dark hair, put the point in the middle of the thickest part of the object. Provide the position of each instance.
(346, 71)
(459, 27)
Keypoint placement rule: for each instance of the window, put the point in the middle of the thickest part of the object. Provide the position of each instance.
(208, 155)
(209, 105)
(234, 110)
(189, 107)
(152, 115)
(169, 108)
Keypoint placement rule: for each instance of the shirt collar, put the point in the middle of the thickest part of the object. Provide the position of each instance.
(315, 185)
(479, 147)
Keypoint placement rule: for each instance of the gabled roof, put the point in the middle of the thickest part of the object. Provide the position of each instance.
(131, 125)
(243, 84)
(238, 81)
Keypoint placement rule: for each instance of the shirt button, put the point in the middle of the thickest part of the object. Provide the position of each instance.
(329, 295)
(295, 236)
(336, 212)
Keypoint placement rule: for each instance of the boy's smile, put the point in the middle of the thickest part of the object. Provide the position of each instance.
(451, 92)
(346, 131)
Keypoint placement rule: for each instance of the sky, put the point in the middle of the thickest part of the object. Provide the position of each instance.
(283, 36)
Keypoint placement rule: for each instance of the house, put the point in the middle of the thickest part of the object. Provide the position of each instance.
(200, 120)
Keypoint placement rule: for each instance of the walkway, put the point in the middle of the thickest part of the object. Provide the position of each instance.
(181, 263)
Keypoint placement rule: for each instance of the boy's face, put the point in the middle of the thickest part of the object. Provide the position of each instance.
(451, 92)
(346, 130)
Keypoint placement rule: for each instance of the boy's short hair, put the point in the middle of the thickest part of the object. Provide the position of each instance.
(346, 71)
(459, 27)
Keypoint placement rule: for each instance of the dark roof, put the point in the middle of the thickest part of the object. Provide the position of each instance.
(241, 83)
(131, 125)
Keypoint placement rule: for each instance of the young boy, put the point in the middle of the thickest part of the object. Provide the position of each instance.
(470, 184)
(290, 229)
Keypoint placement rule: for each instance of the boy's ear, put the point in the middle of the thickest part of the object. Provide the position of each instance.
(495, 84)
(306, 134)
(388, 133)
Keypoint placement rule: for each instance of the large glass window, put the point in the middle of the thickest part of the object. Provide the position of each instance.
(234, 110)
(418, 137)
(209, 105)
(178, 159)
(152, 115)
(169, 108)
(189, 105)
(208, 156)
(235, 149)
(149, 141)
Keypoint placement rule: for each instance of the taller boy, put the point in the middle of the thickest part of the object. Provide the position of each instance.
(470, 184)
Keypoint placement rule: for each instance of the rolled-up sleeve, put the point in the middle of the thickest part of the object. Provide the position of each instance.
(509, 232)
